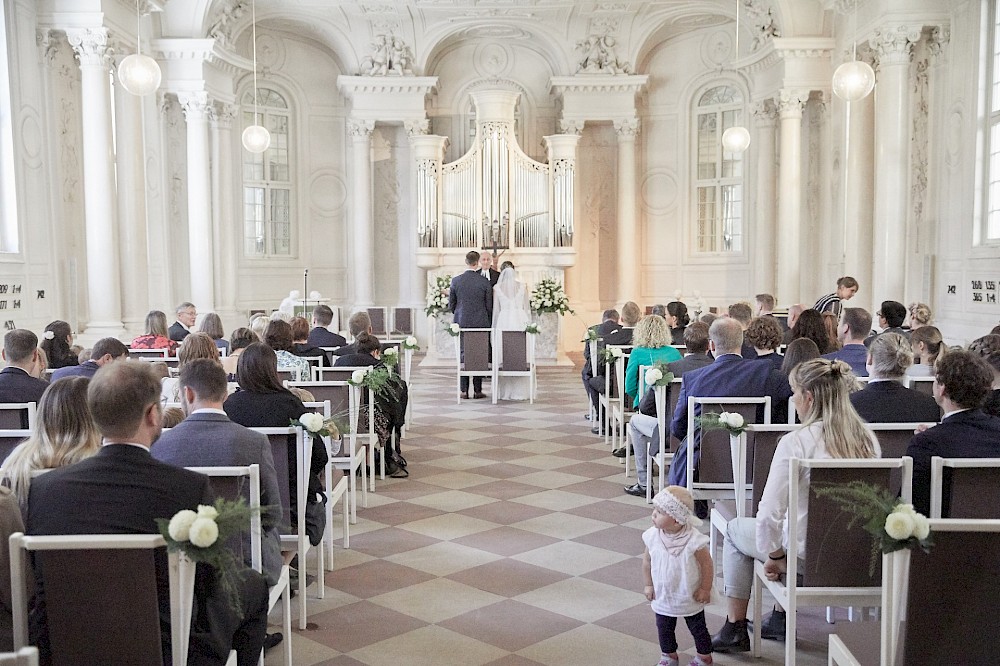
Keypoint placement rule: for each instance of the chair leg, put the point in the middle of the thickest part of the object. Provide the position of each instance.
(371, 462)
(364, 484)
(347, 530)
(353, 483)
(286, 624)
(789, 635)
(303, 614)
(831, 616)
(321, 569)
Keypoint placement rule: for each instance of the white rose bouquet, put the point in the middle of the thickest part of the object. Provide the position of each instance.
(548, 296)
(731, 421)
(531, 328)
(437, 296)
(317, 426)
(658, 375)
(411, 343)
(590, 335)
(892, 524)
(378, 379)
(454, 330)
(610, 354)
(391, 356)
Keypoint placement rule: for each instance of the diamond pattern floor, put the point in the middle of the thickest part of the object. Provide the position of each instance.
(511, 543)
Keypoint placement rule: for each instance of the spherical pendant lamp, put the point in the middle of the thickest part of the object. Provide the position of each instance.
(256, 138)
(853, 80)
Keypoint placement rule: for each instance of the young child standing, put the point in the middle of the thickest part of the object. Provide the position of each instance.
(678, 570)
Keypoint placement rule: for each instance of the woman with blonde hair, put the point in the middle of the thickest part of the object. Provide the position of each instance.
(65, 433)
(650, 345)
(830, 429)
(920, 315)
(195, 345)
(156, 335)
(928, 344)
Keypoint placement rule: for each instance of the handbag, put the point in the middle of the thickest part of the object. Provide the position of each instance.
(316, 518)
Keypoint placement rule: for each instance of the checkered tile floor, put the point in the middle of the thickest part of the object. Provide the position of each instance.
(511, 543)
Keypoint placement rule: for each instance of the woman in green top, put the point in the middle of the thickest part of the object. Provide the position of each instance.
(651, 345)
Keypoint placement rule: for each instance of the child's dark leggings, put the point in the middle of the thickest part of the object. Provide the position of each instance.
(666, 626)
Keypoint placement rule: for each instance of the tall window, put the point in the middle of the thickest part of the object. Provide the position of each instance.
(9, 241)
(992, 230)
(719, 174)
(267, 180)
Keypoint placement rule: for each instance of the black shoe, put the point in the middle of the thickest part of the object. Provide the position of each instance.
(733, 637)
(636, 491)
(773, 626)
(399, 473)
(478, 395)
(622, 452)
(272, 640)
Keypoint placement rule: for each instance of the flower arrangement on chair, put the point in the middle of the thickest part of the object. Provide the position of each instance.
(731, 421)
(437, 296)
(590, 335)
(391, 357)
(376, 379)
(531, 328)
(318, 426)
(658, 375)
(454, 330)
(548, 296)
(610, 354)
(411, 343)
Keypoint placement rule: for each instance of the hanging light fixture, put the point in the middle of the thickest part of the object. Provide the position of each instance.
(139, 74)
(855, 79)
(256, 138)
(736, 139)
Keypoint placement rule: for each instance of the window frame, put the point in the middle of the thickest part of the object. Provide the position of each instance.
(266, 183)
(10, 228)
(990, 160)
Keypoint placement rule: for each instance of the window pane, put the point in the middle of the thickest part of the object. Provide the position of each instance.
(253, 220)
(280, 226)
(268, 209)
(718, 174)
(708, 145)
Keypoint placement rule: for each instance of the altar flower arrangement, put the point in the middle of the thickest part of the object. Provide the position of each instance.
(437, 296)
(411, 343)
(201, 536)
(391, 356)
(610, 354)
(731, 421)
(893, 524)
(548, 296)
(658, 375)
(454, 330)
(531, 328)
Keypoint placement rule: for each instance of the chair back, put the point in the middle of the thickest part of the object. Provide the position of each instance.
(923, 385)
(966, 488)
(402, 321)
(17, 415)
(762, 442)
(716, 466)
(288, 375)
(893, 438)
(281, 439)
(515, 351)
(475, 350)
(337, 393)
(24, 657)
(9, 439)
(673, 394)
(148, 354)
(377, 316)
(235, 483)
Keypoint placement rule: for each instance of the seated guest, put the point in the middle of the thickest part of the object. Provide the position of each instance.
(920, 315)
(123, 490)
(631, 314)
(258, 324)
(742, 313)
(41, 365)
(963, 382)
(764, 335)
(211, 325)
(830, 429)
(278, 336)
(240, 339)
(187, 315)
(831, 322)
(196, 345)
(854, 326)
(846, 288)
(794, 312)
(156, 336)
(988, 347)
(659, 309)
(20, 355)
(890, 320)
(678, 319)
(695, 350)
(810, 325)
(765, 308)
(707, 318)
(609, 332)
(207, 438)
(798, 351)
(929, 347)
(300, 341)
(368, 351)
(82, 353)
(10, 522)
(263, 402)
(106, 350)
(321, 335)
(65, 433)
(651, 345)
(885, 399)
(56, 342)
(359, 323)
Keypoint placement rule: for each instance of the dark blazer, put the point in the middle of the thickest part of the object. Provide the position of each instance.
(16, 385)
(177, 332)
(86, 369)
(309, 351)
(471, 299)
(688, 363)
(619, 336)
(969, 434)
(356, 360)
(748, 351)
(606, 328)
(775, 359)
(853, 355)
(346, 349)
(891, 402)
(677, 335)
(123, 490)
(732, 376)
(322, 337)
(494, 276)
(992, 406)
(206, 439)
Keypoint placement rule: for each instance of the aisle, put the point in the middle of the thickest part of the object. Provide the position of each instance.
(510, 544)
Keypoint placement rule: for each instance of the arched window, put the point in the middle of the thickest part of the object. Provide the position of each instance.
(267, 180)
(718, 174)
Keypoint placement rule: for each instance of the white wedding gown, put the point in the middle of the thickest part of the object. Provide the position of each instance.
(511, 312)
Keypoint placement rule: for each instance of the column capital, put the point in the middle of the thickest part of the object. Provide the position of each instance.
(360, 129)
(91, 46)
(196, 105)
(790, 102)
(626, 128)
(48, 45)
(417, 127)
(221, 115)
(764, 112)
(894, 44)
(940, 37)
(571, 126)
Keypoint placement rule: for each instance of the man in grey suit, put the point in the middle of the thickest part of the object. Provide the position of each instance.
(207, 438)
(471, 300)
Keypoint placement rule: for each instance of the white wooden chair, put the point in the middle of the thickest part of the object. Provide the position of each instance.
(17, 415)
(924, 385)
(619, 412)
(971, 489)
(514, 356)
(893, 438)
(334, 493)
(474, 361)
(10, 439)
(149, 354)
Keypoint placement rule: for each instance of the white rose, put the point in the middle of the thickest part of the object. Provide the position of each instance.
(736, 420)
(204, 532)
(724, 418)
(455, 328)
(411, 341)
(616, 352)
(653, 375)
(905, 508)
(358, 376)
(311, 421)
(393, 351)
(180, 524)
(207, 511)
(921, 526)
(899, 525)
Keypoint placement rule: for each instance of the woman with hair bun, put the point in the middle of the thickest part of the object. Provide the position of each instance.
(928, 344)
(677, 319)
(920, 315)
(988, 347)
(56, 342)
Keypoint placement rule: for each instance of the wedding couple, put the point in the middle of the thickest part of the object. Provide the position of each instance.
(476, 304)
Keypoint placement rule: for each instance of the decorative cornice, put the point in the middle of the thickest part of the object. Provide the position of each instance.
(91, 46)
(764, 112)
(597, 83)
(222, 115)
(386, 85)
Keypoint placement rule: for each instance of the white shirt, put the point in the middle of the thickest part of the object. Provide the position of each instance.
(772, 526)
(209, 410)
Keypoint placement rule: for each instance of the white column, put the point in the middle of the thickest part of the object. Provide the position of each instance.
(628, 229)
(859, 204)
(765, 117)
(103, 275)
(224, 216)
(892, 160)
(200, 244)
(790, 104)
(362, 259)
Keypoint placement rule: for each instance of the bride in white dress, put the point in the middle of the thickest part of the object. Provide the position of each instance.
(511, 312)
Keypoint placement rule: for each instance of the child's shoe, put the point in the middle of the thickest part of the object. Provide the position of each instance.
(667, 661)
(697, 661)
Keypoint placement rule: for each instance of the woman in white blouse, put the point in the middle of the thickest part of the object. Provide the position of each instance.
(830, 429)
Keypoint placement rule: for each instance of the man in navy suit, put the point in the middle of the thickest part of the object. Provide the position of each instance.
(320, 335)
(187, 315)
(885, 399)
(962, 382)
(106, 350)
(855, 323)
(123, 490)
(20, 353)
(470, 298)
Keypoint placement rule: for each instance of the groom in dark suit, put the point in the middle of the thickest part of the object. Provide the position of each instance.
(123, 490)
(470, 298)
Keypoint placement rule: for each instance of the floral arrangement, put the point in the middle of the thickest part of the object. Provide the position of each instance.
(548, 296)
(437, 296)
(698, 305)
(731, 421)
(454, 330)
(411, 343)
(376, 379)
(658, 375)
(531, 328)
(892, 524)
(610, 354)
(316, 425)
(590, 335)
(201, 535)
(391, 357)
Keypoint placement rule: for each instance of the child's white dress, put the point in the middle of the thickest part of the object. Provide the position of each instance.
(675, 571)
